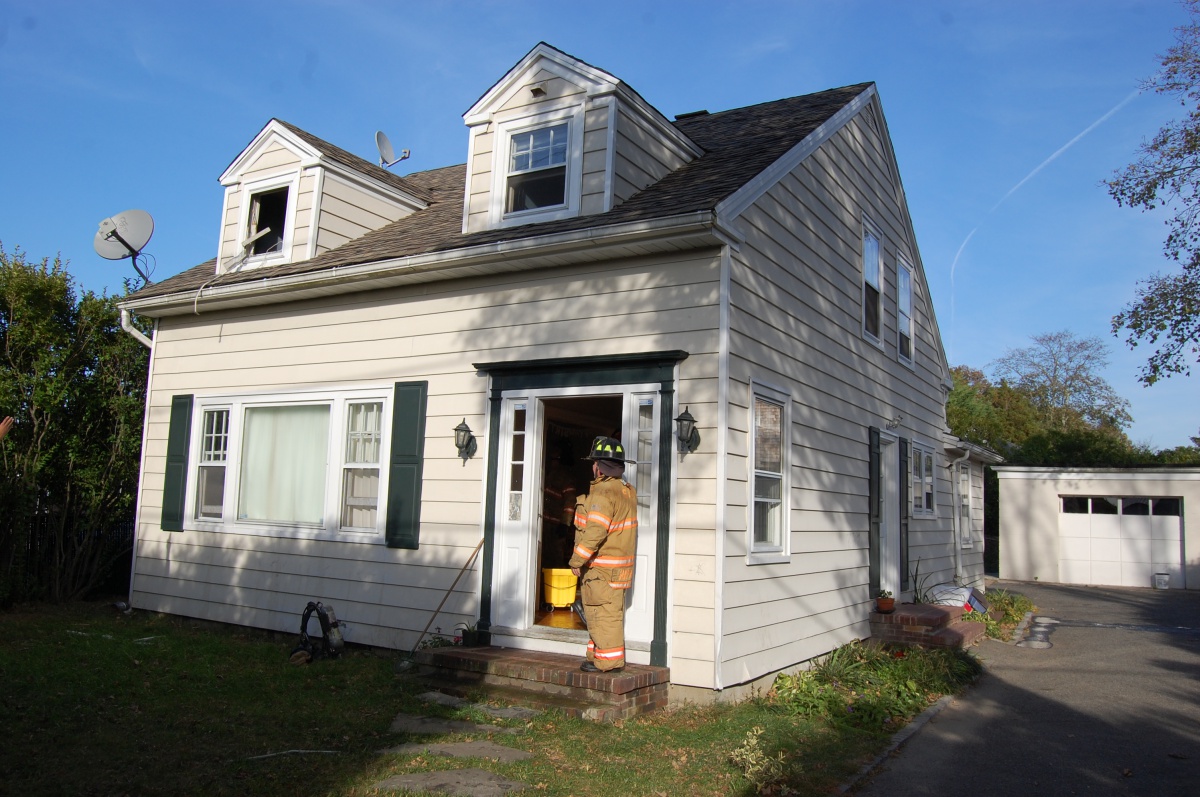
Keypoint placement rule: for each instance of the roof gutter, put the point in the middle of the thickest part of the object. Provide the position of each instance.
(515, 255)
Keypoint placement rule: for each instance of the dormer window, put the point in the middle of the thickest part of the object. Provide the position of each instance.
(268, 215)
(537, 172)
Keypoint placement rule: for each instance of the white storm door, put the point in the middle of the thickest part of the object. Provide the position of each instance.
(516, 543)
(641, 434)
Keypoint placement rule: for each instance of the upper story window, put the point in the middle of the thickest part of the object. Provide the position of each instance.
(904, 312)
(872, 293)
(268, 215)
(537, 170)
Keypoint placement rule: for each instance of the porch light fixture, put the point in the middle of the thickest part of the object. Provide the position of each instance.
(464, 441)
(686, 431)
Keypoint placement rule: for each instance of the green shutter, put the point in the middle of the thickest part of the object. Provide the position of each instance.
(407, 461)
(175, 484)
(905, 470)
(874, 498)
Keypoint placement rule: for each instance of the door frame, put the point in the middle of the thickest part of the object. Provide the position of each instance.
(587, 372)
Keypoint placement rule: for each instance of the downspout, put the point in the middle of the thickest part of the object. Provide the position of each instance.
(128, 326)
(957, 513)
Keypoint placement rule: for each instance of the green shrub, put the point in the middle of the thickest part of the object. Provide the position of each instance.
(873, 688)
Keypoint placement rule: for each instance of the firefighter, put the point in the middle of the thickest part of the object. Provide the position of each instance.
(604, 553)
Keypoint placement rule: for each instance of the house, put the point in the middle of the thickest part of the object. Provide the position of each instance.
(1125, 527)
(593, 268)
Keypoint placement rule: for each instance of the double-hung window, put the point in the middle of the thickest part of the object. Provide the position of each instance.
(296, 464)
(964, 505)
(769, 456)
(210, 472)
(872, 289)
(360, 476)
(921, 482)
(904, 312)
(537, 169)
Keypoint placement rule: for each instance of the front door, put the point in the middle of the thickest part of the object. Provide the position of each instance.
(544, 436)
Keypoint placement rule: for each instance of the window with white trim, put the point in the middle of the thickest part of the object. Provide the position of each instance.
(964, 505)
(537, 169)
(904, 312)
(210, 472)
(290, 464)
(921, 482)
(536, 166)
(872, 289)
(769, 458)
(265, 225)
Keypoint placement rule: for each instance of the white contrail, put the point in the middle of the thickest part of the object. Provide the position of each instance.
(954, 265)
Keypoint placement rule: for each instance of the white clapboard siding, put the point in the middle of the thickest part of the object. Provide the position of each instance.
(800, 266)
(433, 333)
(640, 157)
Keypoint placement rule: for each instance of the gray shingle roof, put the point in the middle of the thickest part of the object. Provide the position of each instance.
(738, 144)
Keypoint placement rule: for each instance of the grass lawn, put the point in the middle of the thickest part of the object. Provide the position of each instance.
(100, 703)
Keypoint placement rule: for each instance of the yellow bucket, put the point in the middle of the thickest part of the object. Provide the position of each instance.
(558, 585)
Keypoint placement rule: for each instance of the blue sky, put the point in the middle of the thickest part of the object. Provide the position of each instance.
(1005, 118)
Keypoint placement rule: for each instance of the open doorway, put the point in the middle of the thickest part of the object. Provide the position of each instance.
(569, 426)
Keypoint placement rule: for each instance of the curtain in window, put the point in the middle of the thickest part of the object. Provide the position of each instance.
(284, 455)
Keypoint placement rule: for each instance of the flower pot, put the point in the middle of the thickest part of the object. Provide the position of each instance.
(885, 605)
(470, 639)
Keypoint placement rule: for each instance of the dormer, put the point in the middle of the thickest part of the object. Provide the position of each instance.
(557, 138)
(290, 196)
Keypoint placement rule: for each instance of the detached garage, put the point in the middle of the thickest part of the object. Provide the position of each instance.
(1127, 527)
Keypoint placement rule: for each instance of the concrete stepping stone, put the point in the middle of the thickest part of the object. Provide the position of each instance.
(464, 782)
(481, 749)
(408, 723)
(503, 712)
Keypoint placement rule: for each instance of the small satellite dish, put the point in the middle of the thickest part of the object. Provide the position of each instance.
(387, 155)
(124, 235)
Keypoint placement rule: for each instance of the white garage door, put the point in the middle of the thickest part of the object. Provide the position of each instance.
(1119, 541)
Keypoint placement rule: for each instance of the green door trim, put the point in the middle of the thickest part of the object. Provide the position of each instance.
(651, 367)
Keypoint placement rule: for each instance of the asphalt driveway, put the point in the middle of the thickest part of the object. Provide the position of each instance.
(1102, 698)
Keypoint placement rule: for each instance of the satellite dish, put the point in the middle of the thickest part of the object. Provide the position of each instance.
(387, 155)
(124, 235)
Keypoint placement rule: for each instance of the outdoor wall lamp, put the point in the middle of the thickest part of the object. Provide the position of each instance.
(686, 431)
(464, 441)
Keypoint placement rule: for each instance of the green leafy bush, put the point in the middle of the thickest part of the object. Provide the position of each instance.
(873, 688)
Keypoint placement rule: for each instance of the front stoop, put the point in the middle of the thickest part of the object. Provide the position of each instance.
(925, 625)
(546, 680)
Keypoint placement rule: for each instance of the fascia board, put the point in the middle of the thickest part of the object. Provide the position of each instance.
(557, 62)
(308, 156)
(918, 263)
(1026, 472)
(737, 203)
(690, 225)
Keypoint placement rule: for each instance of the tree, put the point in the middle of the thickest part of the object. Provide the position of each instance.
(1166, 174)
(996, 416)
(75, 382)
(1060, 375)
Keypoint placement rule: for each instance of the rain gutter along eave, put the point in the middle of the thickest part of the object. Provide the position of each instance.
(691, 230)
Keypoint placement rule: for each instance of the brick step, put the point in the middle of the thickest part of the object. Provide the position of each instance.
(958, 634)
(544, 680)
(925, 625)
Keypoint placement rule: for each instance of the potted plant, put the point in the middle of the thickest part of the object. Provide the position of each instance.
(884, 602)
(470, 635)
